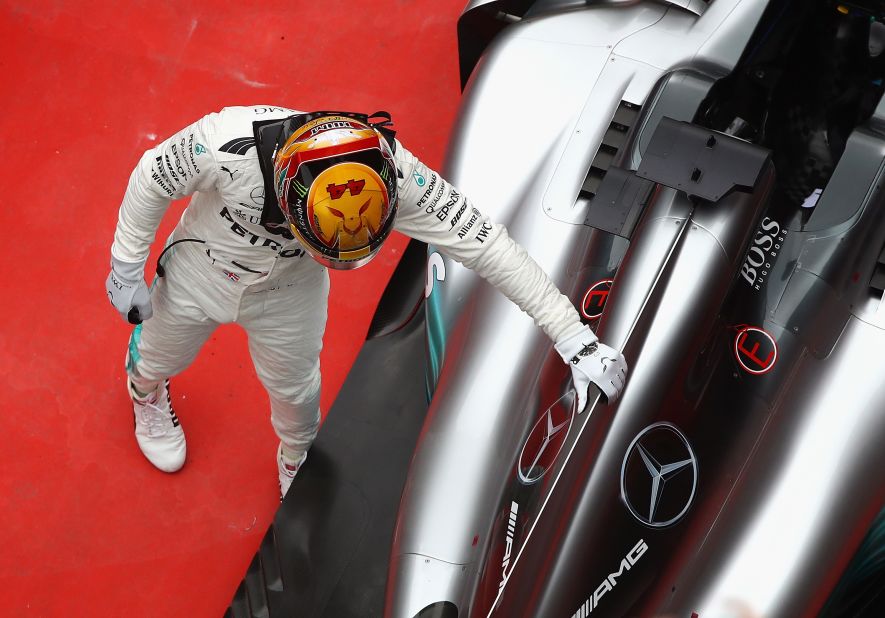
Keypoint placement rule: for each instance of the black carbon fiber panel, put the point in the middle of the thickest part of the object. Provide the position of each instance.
(326, 553)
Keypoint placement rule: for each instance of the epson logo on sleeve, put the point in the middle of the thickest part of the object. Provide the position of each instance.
(453, 200)
(183, 170)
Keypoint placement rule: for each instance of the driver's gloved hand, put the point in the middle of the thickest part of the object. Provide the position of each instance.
(128, 291)
(592, 361)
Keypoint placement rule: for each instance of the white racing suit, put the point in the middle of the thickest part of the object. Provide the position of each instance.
(265, 282)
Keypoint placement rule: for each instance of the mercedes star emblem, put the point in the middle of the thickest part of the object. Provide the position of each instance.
(659, 475)
(545, 441)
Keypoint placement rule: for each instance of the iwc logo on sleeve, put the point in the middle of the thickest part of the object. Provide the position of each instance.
(659, 475)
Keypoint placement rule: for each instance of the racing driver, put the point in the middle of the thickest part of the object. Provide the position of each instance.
(280, 196)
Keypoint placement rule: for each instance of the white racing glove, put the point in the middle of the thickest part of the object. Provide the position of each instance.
(592, 361)
(128, 292)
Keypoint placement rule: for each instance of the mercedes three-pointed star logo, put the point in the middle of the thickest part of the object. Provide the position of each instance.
(545, 441)
(659, 475)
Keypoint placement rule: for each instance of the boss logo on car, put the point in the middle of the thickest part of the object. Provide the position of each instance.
(765, 247)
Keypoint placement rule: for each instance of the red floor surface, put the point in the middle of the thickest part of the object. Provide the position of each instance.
(89, 527)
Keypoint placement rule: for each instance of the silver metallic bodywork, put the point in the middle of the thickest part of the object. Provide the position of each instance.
(821, 475)
(802, 469)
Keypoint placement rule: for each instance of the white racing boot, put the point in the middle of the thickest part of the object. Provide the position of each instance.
(157, 429)
(287, 469)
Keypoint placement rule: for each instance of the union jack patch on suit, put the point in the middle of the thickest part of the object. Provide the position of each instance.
(232, 276)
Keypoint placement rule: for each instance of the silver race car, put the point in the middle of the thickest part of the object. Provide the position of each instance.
(705, 179)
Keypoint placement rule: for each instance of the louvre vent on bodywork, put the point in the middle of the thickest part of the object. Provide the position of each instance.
(877, 281)
(612, 142)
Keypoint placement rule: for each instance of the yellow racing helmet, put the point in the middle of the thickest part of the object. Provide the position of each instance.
(335, 180)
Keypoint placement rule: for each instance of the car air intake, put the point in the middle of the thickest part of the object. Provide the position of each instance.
(612, 142)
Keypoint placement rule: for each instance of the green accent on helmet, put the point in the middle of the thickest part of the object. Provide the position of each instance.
(299, 188)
